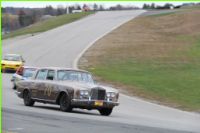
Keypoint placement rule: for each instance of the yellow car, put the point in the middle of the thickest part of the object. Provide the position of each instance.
(11, 62)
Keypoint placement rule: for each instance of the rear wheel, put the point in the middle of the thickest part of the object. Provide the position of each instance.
(65, 104)
(14, 87)
(27, 99)
(105, 111)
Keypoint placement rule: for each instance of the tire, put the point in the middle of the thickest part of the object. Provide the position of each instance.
(105, 111)
(3, 71)
(14, 87)
(27, 99)
(65, 104)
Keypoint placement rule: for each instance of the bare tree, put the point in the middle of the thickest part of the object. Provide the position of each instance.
(95, 7)
(49, 10)
(60, 10)
(101, 8)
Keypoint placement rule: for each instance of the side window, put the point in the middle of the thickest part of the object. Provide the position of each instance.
(41, 75)
(51, 75)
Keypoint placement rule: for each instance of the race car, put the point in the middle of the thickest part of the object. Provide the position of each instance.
(11, 62)
(69, 88)
(23, 73)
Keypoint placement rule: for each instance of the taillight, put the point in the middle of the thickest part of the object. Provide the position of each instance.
(20, 71)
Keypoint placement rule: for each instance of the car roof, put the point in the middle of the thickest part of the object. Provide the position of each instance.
(64, 68)
(30, 67)
(13, 55)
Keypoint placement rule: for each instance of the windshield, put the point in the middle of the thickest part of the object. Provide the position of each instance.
(12, 58)
(28, 72)
(75, 76)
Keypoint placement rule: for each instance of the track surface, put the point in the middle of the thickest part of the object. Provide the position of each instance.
(61, 47)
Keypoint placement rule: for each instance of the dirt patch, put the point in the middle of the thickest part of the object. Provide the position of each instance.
(145, 38)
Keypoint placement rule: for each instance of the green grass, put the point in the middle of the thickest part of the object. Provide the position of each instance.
(194, 51)
(162, 14)
(169, 70)
(47, 24)
(175, 82)
(178, 83)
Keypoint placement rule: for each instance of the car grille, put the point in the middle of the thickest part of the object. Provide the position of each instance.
(98, 94)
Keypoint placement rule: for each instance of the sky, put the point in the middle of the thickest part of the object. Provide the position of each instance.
(55, 4)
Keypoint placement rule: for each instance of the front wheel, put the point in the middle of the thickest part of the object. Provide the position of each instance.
(105, 111)
(27, 99)
(3, 71)
(65, 104)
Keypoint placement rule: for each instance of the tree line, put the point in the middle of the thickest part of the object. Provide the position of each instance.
(167, 6)
(15, 18)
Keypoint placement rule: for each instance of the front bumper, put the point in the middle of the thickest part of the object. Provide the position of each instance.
(9, 68)
(90, 104)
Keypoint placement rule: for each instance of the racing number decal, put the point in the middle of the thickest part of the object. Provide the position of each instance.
(48, 91)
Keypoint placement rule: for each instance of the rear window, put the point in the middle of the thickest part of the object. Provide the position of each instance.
(28, 72)
(12, 58)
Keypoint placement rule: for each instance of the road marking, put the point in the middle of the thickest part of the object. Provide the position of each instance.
(7, 132)
(15, 129)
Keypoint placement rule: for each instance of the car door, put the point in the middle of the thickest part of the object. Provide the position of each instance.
(51, 88)
(40, 83)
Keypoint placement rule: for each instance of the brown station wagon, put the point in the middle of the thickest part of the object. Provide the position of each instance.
(69, 88)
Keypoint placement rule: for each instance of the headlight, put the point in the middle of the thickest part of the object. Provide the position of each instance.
(84, 94)
(110, 94)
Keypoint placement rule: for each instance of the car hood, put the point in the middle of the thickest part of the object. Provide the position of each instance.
(11, 62)
(86, 86)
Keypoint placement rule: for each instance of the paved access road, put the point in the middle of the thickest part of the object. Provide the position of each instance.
(61, 47)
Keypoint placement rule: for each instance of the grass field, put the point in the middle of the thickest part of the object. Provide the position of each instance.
(47, 24)
(154, 57)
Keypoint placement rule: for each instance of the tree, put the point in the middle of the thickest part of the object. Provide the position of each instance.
(119, 7)
(36, 14)
(95, 7)
(152, 6)
(77, 7)
(3, 9)
(60, 10)
(49, 10)
(25, 19)
(22, 18)
(101, 8)
(167, 6)
(71, 8)
(145, 6)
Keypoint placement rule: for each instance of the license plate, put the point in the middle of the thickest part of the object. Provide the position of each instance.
(98, 103)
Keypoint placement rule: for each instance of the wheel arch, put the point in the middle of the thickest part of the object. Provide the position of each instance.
(60, 95)
(24, 90)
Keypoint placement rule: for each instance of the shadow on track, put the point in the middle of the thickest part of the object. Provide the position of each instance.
(73, 111)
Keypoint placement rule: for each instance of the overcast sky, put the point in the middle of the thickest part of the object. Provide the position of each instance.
(55, 4)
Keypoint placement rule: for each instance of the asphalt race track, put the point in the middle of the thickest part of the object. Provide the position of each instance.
(62, 47)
